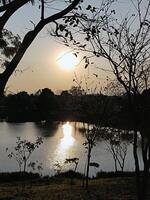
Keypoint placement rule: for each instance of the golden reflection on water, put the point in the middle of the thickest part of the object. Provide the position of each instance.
(64, 148)
(67, 140)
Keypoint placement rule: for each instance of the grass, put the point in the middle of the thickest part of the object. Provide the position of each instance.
(61, 188)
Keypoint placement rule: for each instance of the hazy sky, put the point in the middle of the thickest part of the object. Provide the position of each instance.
(39, 65)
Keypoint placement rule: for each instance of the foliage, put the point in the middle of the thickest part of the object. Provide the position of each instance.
(74, 161)
(116, 145)
(91, 136)
(125, 46)
(9, 44)
(12, 48)
(94, 164)
(23, 107)
(46, 102)
(23, 151)
(58, 167)
(76, 91)
(35, 166)
(125, 43)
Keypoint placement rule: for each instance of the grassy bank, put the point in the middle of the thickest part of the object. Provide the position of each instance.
(64, 188)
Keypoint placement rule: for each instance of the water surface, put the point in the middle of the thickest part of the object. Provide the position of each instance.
(61, 141)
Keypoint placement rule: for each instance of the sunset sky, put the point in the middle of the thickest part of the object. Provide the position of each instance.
(40, 64)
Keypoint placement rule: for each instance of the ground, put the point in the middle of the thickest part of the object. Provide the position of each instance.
(65, 189)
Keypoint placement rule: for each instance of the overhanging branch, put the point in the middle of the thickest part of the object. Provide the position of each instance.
(31, 35)
(12, 5)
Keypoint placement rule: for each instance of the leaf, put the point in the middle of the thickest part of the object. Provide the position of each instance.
(89, 7)
(75, 54)
(3, 43)
(94, 164)
(61, 27)
(86, 65)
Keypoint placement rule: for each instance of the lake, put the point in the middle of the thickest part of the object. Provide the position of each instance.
(60, 141)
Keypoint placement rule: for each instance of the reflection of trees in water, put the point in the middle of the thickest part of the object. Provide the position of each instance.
(108, 132)
(47, 129)
(104, 132)
(117, 142)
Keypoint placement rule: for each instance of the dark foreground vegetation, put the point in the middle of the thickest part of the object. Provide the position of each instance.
(61, 187)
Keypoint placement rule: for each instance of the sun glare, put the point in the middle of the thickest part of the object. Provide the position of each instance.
(67, 61)
(65, 146)
(68, 139)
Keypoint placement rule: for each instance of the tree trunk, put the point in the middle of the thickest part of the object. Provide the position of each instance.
(137, 169)
(145, 182)
(24, 169)
(132, 105)
(116, 168)
(88, 167)
(3, 81)
(146, 160)
(76, 164)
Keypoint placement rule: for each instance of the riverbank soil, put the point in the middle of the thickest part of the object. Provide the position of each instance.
(67, 189)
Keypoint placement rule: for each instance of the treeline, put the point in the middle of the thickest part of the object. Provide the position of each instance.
(69, 105)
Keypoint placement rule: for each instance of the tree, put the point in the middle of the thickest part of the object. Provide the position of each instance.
(77, 91)
(91, 136)
(65, 94)
(125, 43)
(16, 48)
(116, 146)
(46, 103)
(74, 161)
(23, 151)
(91, 132)
(19, 107)
(58, 167)
(95, 165)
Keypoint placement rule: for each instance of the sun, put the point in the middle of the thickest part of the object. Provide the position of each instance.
(67, 61)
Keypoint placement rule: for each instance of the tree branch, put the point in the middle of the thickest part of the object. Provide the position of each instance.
(12, 5)
(29, 38)
(11, 9)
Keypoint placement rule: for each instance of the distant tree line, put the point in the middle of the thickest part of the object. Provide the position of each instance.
(69, 105)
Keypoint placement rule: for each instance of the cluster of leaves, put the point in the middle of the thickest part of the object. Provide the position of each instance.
(9, 44)
(35, 166)
(74, 161)
(4, 2)
(124, 45)
(91, 136)
(94, 164)
(88, 23)
(58, 167)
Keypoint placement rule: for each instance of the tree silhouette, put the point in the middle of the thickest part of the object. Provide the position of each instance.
(46, 103)
(125, 43)
(23, 151)
(7, 9)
